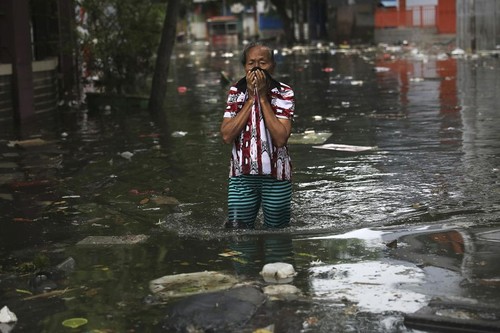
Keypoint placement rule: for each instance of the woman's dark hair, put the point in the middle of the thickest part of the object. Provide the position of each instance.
(252, 45)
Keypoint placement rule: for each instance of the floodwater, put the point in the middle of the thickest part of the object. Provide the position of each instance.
(430, 180)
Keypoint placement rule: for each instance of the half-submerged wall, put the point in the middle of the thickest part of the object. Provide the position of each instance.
(45, 87)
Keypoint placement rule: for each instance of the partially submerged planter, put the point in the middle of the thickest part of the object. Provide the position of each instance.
(187, 284)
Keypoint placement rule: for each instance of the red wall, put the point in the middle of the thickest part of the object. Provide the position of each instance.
(446, 20)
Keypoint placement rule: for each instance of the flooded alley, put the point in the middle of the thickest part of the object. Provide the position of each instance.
(396, 158)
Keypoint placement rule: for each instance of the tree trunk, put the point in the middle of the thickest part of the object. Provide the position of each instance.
(167, 42)
(281, 8)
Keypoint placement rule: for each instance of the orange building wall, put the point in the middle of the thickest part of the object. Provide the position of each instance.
(446, 17)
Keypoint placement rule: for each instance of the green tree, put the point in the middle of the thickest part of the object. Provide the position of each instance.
(282, 9)
(118, 40)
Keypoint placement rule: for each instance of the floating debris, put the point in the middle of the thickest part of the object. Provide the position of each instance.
(127, 155)
(458, 52)
(278, 272)
(7, 316)
(392, 244)
(171, 286)
(230, 254)
(179, 134)
(74, 322)
(381, 69)
(374, 286)
(281, 289)
(342, 147)
(165, 200)
(113, 240)
(28, 143)
(309, 137)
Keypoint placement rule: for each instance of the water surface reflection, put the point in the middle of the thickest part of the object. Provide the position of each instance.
(436, 165)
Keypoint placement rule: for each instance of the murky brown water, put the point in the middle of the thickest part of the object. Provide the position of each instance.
(434, 124)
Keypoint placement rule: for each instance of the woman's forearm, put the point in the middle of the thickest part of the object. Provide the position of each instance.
(232, 127)
(279, 128)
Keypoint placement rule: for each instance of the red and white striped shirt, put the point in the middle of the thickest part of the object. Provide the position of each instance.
(253, 150)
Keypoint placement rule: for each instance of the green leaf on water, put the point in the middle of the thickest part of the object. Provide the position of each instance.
(23, 291)
(302, 254)
(240, 260)
(74, 322)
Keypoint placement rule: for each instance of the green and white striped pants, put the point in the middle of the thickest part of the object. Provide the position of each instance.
(247, 193)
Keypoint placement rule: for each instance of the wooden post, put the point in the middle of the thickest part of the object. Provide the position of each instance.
(22, 73)
(67, 45)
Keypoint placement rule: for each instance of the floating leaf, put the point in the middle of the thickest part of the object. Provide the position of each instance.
(239, 260)
(22, 291)
(74, 322)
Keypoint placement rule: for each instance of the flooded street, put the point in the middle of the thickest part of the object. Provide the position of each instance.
(429, 179)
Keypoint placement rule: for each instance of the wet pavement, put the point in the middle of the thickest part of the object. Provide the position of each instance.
(100, 202)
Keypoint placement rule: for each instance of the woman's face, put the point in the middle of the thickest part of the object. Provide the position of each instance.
(259, 56)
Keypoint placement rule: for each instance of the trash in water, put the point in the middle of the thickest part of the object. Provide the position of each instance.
(74, 322)
(186, 284)
(278, 272)
(230, 254)
(281, 289)
(309, 137)
(178, 134)
(375, 286)
(342, 147)
(7, 316)
(165, 200)
(126, 155)
(381, 69)
(67, 265)
(113, 240)
(458, 52)
(6, 196)
(27, 143)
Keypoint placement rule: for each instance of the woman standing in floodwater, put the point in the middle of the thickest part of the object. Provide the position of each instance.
(258, 122)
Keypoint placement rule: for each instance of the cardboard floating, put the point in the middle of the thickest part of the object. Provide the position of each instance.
(341, 147)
